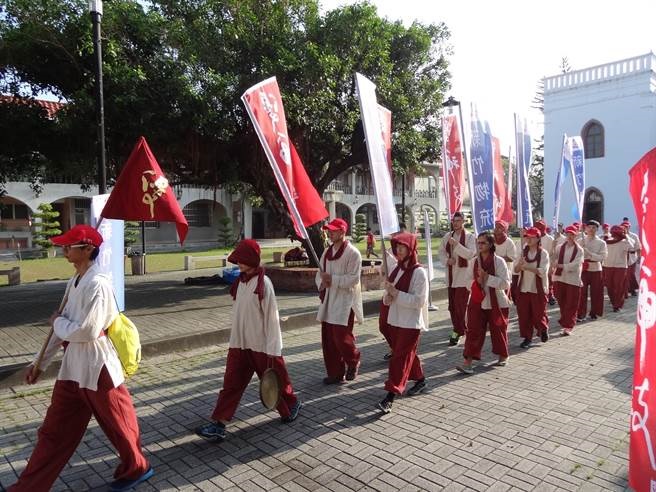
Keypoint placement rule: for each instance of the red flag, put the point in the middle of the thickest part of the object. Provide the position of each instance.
(642, 450)
(453, 173)
(502, 207)
(143, 193)
(386, 128)
(264, 105)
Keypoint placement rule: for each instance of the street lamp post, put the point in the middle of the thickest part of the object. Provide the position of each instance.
(96, 11)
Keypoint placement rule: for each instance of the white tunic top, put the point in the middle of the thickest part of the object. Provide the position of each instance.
(409, 309)
(254, 326)
(529, 279)
(617, 254)
(500, 281)
(462, 276)
(345, 291)
(595, 251)
(635, 250)
(508, 249)
(89, 310)
(571, 273)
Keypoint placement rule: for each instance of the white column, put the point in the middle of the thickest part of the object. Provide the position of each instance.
(248, 219)
(332, 212)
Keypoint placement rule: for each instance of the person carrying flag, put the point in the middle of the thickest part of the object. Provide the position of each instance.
(90, 379)
(594, 254)
(488, 305)
(532, 288)
(567, 278)
(458, 247)
(405, 314)
(340, 292)
(255, 343)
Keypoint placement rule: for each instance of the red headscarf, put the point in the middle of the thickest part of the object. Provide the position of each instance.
(500, 237)
(247, 252)
(618, 233)
(541, 226)
(408, 264)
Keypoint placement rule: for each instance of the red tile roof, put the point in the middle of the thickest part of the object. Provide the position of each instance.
(51, 107)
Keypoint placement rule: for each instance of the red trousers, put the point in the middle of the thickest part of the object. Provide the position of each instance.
(478, 322)
(631, 280)
(241, 365)
(66, 421)
(458, 298)
(568, 300)
(514, 289)
(594, 282)
(615, 279)
(339, 350)
(383, 327)
(531, 313)
(404, 364)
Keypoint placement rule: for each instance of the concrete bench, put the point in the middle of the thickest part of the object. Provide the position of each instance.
(190, 261)
(277, 256)
(13, 275)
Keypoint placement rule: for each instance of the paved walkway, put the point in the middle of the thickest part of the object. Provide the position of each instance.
(555, 419)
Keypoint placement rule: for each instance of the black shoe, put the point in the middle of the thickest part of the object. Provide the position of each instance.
(580, 320)
(526, 343)
(552, 301)
(293, 413)
(544, 336)
(418, 387)
(593, 317)
(616, 310)
(352, 372)
(212, 431)
(453, 339)
(633, 293)
(329, 380)
(385, 405)
(387, 356)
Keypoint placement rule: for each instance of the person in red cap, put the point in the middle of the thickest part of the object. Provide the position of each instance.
(594, 254)
(616, 265)
(255, 343)
(531, 302)
(405, 314)
(488, 305)
(90, 379)
(547, 243)
(567, 278)
(338, 282)
(505, 247)
(458, 247)
(605, 231)
(632, 272)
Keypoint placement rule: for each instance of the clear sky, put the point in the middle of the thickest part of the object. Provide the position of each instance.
(501, 49)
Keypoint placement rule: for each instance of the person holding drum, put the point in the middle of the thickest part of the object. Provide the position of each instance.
(405, 315)
(255, 345)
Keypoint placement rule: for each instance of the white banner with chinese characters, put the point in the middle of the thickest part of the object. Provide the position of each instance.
(110, 259)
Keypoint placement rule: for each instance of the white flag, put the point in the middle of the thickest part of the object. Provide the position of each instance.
(429, 249)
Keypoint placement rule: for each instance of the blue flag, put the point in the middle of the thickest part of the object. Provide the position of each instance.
(563, 171)
(578, 173)
(523, 151)
(481, 175)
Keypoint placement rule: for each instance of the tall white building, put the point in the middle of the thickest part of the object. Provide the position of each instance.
(613, 108)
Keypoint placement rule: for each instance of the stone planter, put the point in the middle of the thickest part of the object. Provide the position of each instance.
(301, 279)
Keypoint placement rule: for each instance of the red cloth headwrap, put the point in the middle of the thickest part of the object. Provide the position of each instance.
(246, 252)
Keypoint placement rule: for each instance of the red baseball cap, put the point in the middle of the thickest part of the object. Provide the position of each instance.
(532, 232)
(336, 225)
(79, 234)
(572, 229)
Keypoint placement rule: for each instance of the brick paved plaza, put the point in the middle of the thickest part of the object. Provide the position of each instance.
(556, 418)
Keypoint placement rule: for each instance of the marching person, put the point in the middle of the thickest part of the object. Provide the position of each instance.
(547, 244)
(615, 266)
(531, 302)
(567, 278)
(456, 249)
(90, 380)
(505, 248)
(338, 282)
(594, 254)
(406, 296)
(633, 260)
(488, 305)
(255, 343)
(371, 243)
(606, 231)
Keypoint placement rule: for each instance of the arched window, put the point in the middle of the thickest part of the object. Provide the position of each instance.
(593, 139)
(593, 205)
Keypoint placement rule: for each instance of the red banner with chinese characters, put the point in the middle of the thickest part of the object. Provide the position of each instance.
(502, 207)
(264, 106)
(142, 192)
(453, 173)
(642, 451)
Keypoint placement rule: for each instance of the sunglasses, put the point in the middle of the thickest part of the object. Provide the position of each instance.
(71, 246)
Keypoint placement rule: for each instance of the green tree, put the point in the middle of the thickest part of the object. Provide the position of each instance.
(536, 171)
(175, 71)
(226, 237)
(131, 232)
(360, 228)
(46, 226)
